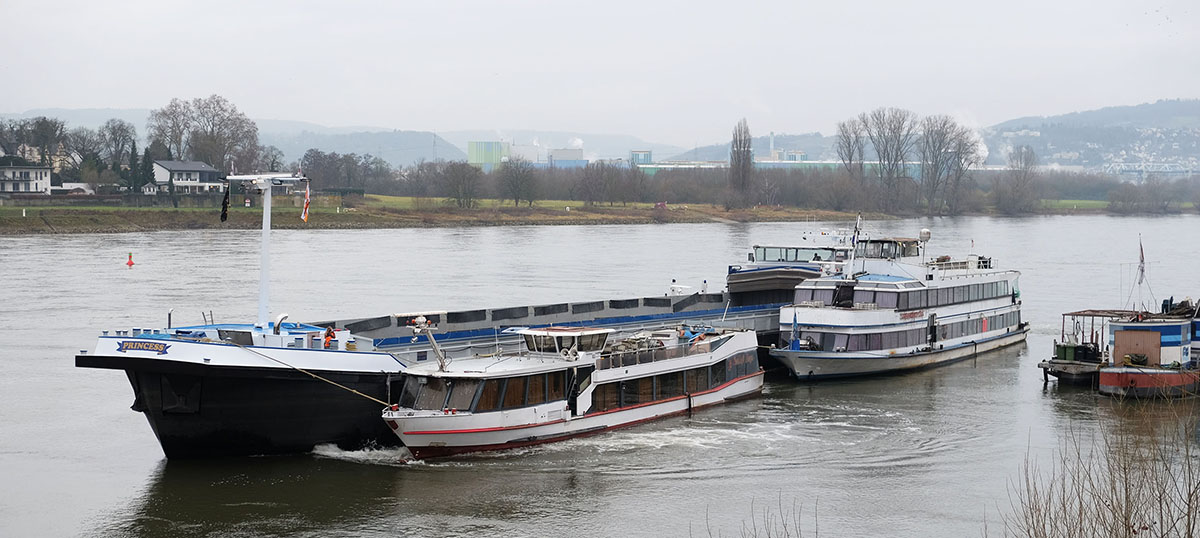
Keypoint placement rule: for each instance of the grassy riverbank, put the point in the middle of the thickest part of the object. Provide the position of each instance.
(380, 212)
(375, 211)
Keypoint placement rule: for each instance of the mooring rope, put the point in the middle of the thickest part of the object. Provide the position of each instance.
(315, 376)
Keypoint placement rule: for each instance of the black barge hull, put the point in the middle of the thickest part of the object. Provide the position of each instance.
(201, 411)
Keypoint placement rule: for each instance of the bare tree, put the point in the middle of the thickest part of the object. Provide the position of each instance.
(967, 150)
(221, 135)
(741, 166)
(892, 132)
(517, 181)
(83, 142)
(935, 147)
(118, 136)
(32, 139)
(270, 159)
(851, 147)
(591, 187)
(1016, 191)
(171, 125)
(462, 183)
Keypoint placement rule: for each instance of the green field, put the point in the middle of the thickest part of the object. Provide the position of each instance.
(1074, 204)
(425, 203)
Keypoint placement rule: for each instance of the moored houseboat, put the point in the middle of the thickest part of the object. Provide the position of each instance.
(1151, 358)
(1081, 349)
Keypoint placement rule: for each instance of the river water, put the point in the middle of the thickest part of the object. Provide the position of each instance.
(931, 453)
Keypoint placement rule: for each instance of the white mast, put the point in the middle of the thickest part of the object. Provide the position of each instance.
(264, 182)
(853, 248)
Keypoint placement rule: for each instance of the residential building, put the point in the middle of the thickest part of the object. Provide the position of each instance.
(25, 179)
(190, 177)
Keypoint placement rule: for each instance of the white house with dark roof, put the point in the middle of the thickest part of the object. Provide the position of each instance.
(190, 177)
(25, 179)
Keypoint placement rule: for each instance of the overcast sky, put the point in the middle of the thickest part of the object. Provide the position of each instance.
(672, 72)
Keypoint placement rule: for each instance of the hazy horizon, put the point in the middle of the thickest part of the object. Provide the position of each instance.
(674, 73)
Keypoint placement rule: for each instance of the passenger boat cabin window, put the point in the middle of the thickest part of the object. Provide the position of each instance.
(514, 392)
(669, 385)
(908, 338)
(462, 393)
(538, 342)
(632, 392)
(556, 387)
(537, 389)
(489, 397)
(433, 394)
(592, 342)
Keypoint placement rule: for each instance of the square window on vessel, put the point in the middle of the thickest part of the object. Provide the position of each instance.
(537, 389)
(670, 385)
(432, 394)
(514, 392)
(462, 392)
(557, 386)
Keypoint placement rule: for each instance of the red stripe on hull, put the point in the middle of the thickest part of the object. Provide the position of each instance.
(1149, 383)
(443, 451)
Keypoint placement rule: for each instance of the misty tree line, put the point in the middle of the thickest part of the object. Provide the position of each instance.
(890, 160)
(210, 130)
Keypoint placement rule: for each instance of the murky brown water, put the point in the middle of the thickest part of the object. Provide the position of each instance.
(925, 454)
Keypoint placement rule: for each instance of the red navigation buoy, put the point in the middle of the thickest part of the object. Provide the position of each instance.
(130, 262)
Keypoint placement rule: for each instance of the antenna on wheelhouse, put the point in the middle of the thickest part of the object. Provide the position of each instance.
(853, 247)
(264, 182)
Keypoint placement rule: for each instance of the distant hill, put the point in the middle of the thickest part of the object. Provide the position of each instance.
(1162, 114)
(595, 146)
(292, 137)
(401, 148)
(87, 117)
(1166, 131)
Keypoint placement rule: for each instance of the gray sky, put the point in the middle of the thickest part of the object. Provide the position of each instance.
(673, 72)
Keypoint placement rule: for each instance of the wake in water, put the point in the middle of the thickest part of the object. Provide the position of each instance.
(391, 457)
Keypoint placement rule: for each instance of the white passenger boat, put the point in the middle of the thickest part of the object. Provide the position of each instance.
(882, 314)
(776, 269)
(569, 382)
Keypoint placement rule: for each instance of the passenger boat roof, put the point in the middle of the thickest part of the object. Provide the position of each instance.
(564, 331)
(883, 278)
(499, 366)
